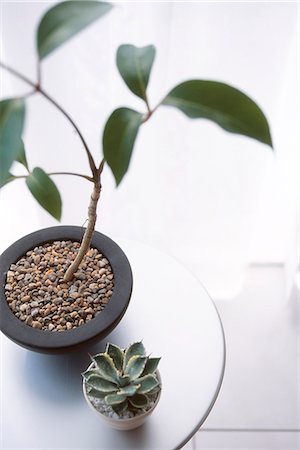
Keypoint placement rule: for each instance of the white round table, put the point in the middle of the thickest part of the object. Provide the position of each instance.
(42, 404)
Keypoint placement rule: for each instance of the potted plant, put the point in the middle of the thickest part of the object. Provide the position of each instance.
(122, 386)
(51, 280)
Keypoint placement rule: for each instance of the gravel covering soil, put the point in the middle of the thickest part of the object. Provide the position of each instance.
(100, 405)
(38, 296)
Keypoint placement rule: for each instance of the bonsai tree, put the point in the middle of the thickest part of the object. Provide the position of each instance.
(228, 107)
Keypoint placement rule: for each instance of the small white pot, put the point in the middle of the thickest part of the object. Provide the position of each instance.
(123, 424)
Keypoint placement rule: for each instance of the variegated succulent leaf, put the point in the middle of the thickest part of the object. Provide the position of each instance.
(129, 390)
(135, 366)
(146, 384)
(117, 355)
(101, 384)
(135, 349)
(124, 380)
(120, 407)
(94, 393)
(88, 373)
(105, 365)
(115, 399)
(151, 366)
(138, 401)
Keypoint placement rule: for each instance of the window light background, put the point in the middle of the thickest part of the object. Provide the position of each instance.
(214, 200)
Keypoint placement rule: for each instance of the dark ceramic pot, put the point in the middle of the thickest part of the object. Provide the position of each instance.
(84, 335)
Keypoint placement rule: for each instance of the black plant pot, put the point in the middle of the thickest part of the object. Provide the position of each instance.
(85, 335)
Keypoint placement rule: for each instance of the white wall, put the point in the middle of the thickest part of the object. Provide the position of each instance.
(215, 201)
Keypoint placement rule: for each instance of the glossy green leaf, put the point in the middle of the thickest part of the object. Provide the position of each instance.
(45, 192)
(135, 366)
(116, 354)
(101, 384)
(151, 366)
(119, 137)
(106, 367)
(66, 19)
(228, 107)
(138, 400)
(8, 179)
(137, 348)
(135, 65)
(21, 156)
(12, 115)
(147, 384)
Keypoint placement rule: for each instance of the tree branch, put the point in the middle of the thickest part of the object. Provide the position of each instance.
(39, 89)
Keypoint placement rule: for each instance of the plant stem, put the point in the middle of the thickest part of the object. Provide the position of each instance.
(147, 104)
(73, 173)
(39, 89)
(87, 237)
(86, 177)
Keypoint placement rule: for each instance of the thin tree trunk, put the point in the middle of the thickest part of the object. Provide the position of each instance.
(86, 241)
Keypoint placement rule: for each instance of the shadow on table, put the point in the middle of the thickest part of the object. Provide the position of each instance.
(57, 378)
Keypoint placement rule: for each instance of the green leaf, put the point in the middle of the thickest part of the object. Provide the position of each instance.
(101, 384)
(137, 348)
(124, 380)
(96, 394)
(88, 373)
(230, 108)
(12, 115)
(147, 384)
(8, 179)
(151, 366)
(21, 157)
(121, 407)
(138, 401)
(45, 191)
(129, 390)
(119, 136)
(116, 354)
(115, 399)
(135, 65)
(106, 367)
(65, 20)
(135, 366)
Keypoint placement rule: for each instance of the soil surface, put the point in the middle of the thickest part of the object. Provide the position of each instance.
(38, 296)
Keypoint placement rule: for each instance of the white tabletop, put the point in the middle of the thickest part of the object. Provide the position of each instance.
(42, 405)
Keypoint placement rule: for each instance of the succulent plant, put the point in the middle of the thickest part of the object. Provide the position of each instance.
(125, 379)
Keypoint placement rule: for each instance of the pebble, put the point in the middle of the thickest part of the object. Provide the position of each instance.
(34, 304)
(80, 276)
(37, 295)
(35, 312)
(94, 287)
(29, 320)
